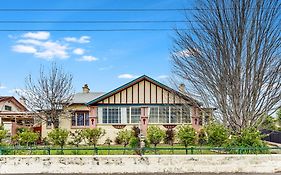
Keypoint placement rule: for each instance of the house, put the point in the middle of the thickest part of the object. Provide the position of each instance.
(141, 102)
(14, 114)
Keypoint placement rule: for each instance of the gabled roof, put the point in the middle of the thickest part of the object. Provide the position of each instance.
(14, 100)
(139, 79)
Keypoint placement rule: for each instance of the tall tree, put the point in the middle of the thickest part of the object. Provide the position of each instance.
(231, 58)
(50, 95)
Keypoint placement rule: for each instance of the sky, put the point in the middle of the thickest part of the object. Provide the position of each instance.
(103, 60)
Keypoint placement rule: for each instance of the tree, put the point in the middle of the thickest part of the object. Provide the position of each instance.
(269, 123)
(186, 135)
(50, 95)
(216, 134)
(58, 137)
(28, 137)
(155, 135)
(231, 58)
(124, 136)
(93, 135)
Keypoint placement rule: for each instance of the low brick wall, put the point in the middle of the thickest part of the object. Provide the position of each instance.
(141, 164)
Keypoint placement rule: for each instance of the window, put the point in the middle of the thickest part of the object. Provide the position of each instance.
(80, 119)
(175, 114)
(186, 114)
(164, 114)
(135, 114)
(153, 115)
(111, 115)
(8, 108)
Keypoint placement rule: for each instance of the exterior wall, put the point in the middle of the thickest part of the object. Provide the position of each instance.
(122, 164)
(9, 103)
(143, 92)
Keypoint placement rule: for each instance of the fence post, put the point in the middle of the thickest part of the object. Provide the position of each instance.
(49, 151)
(0, 150)
(191, 150)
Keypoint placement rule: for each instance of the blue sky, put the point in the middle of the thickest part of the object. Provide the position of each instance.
(104, 60)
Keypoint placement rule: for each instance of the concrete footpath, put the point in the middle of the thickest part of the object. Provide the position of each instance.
(156, 164)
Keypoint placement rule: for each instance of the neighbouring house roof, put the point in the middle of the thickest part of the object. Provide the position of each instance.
(13, 100)
(139, 79)
(82, 98)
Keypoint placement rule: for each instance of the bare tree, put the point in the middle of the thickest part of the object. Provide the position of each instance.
(231, 58)
(50, 95)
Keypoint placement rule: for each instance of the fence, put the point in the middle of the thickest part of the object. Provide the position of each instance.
(272, 136)
(132, 151)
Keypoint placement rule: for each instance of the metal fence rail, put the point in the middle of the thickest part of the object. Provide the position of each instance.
(139, 151)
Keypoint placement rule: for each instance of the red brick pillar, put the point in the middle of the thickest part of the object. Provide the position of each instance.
(195, 118)
(93, 116)
(144, 120)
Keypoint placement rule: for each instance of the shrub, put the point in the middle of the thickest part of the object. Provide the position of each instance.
(155, 135)
(76, 137)
(169, 137)
(28, 137)
(58, 136)
(216, 134)
(135, 140)
(186, 135)
(248, 138)
(3, 134)
(93, 135)
(123, 137)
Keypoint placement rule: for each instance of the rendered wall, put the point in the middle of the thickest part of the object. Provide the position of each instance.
(141, 164)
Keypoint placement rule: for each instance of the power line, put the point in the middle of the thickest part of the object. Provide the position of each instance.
(88, 30)
(120, 21)
(113, 10)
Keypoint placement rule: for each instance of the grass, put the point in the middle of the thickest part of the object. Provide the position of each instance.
(161, 149)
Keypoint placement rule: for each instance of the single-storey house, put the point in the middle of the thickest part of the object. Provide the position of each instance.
(141, 102)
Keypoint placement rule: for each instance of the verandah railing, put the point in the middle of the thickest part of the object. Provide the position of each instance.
(133, 151)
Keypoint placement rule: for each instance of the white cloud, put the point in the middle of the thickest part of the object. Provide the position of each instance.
(42, 49)
(79, 51)
(127, 76)
(37, 35)
(24, 49)
(163, 77)
(87, 58)
(82, 39)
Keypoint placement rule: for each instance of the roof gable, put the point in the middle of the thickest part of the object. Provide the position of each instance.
(142, 90)
(14, 101)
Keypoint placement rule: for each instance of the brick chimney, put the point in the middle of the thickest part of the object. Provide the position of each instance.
(182, 88)
(85, 88)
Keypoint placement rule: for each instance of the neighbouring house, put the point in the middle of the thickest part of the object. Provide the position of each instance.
(141, 102)
(14, 114)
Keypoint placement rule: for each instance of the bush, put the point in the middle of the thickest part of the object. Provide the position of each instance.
(186, 135)
(216, 134)
(155, 135)
(202, 137)
(76, 137)
(3, 134)
(123, 137)
(58, 136)
(27, 137)
(93, 135)
(248, 138)
(169, 137)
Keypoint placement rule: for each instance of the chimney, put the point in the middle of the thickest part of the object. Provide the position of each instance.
(86, 88)
(182, 88)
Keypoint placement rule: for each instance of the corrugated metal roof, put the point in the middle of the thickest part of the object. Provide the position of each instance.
(86, 97)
